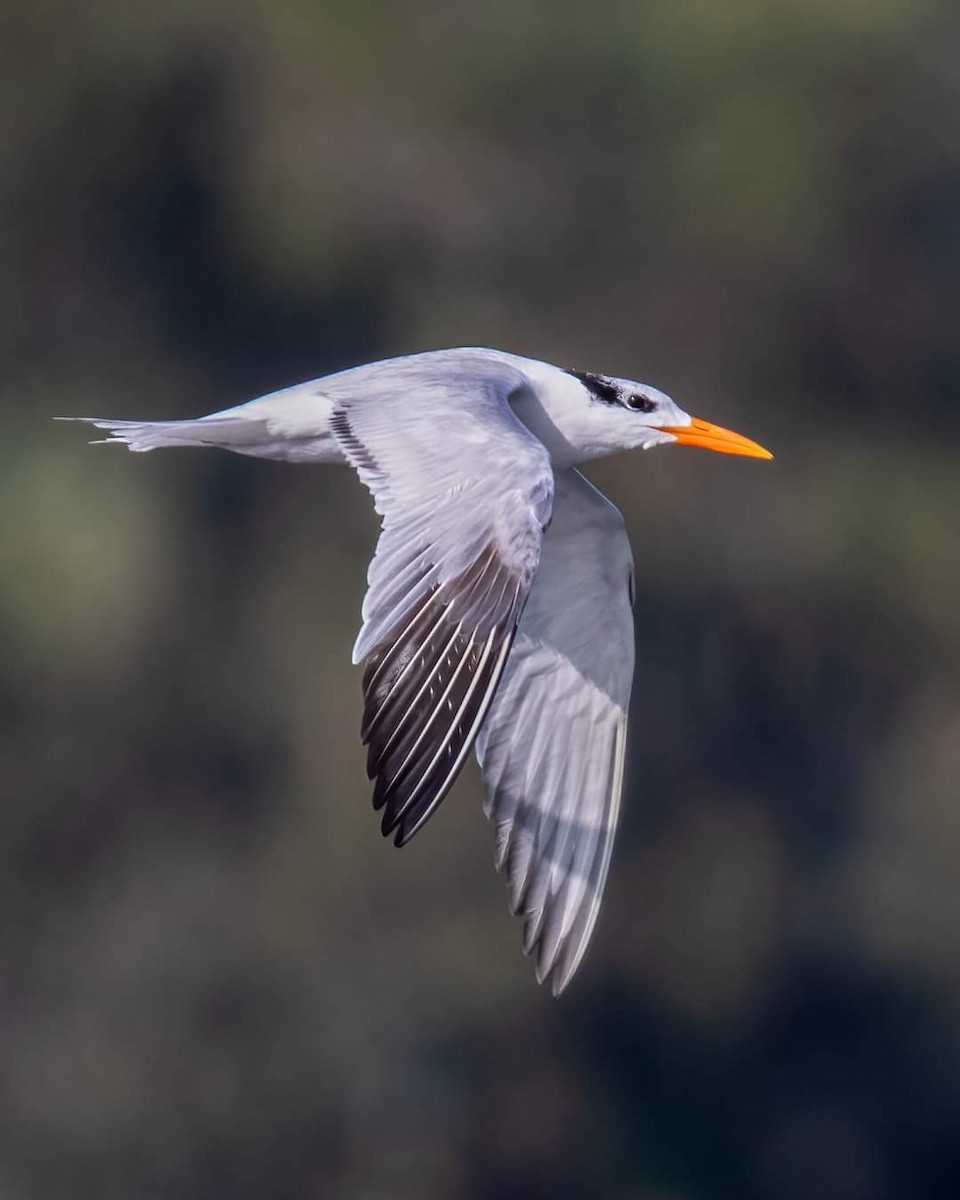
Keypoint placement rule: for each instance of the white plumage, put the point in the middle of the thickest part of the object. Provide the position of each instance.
(498, 611)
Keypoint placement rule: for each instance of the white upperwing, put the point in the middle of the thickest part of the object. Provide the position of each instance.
(465, 492)
(552, 746)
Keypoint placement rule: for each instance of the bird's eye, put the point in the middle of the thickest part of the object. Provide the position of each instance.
(640, 403)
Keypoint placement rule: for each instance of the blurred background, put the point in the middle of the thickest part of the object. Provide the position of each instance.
(216, 980)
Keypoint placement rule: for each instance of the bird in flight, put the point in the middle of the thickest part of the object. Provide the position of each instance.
(498, 613)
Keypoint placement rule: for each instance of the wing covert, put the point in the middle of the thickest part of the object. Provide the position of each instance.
(464, 492)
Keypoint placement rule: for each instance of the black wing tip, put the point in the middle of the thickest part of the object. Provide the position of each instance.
(406, 818)
(399, 818)
(405, 834)
(418, 738)
(400, 830)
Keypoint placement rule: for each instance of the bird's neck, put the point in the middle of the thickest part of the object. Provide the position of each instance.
(559, 412)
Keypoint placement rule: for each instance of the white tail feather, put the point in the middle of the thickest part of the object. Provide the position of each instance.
(242, 430)
(231, 433)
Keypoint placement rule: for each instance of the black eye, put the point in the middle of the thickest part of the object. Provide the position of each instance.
(640, 403)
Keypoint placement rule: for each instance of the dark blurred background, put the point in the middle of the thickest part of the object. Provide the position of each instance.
(215, 979)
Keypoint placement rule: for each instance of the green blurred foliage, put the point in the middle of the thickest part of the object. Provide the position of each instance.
(216, 980)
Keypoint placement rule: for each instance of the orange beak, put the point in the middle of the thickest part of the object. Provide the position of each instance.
(715, 437)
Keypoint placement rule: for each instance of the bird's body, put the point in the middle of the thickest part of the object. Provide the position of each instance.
(498, 612)
(294, 424)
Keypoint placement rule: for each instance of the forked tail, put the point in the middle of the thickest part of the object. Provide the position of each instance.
(244, 435)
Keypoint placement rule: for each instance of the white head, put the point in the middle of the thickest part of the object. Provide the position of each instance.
(602, 414)
(625, 415)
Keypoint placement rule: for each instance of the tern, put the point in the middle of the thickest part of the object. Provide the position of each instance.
(498, 613)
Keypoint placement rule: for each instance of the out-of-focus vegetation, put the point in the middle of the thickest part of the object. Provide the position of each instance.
(217, 981)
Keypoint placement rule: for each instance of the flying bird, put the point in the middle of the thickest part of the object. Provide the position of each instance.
(498, 613)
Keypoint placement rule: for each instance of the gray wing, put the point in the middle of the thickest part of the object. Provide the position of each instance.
(464, 491)
(552, 745)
